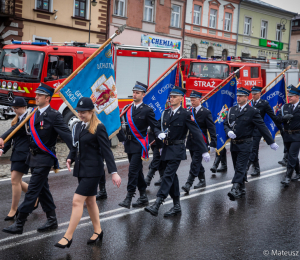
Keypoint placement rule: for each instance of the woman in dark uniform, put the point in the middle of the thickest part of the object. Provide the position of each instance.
(90, 141)
(20, 150)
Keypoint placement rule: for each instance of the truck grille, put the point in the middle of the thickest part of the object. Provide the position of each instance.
(5, 102)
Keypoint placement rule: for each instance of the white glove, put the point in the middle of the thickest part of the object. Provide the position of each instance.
(231, 135)
(206, 157)
(274, 146)
(161, 136)
(212, 150)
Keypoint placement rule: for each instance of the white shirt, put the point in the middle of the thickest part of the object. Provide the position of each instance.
(241, 108)
(295, 105)
(175, 110)
(255, 102)
(197, 108)
(137, 106)
(42, 110)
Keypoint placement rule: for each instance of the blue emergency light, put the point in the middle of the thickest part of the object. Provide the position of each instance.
(228, 58)
(199, 57)
(29, 43)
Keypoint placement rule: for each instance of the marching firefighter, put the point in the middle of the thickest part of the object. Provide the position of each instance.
(204, 121)
(220, 158)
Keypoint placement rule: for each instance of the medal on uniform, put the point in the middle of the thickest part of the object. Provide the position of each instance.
(42, 125)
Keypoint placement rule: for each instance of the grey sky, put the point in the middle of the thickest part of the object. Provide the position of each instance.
(289, 5)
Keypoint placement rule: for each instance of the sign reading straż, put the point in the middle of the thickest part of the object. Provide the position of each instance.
(271, 44)
(154, 41)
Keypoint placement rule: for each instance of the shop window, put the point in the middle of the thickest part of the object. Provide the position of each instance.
(224, 54)
(254, 72)
(194, 51)
(59, 67)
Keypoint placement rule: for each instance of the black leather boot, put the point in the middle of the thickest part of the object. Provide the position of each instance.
(216, 164)
(176, 209)
(256, 170)
(201, 184)
(142, 201)
(127, 201)
(187, 186)
(153, 209)
(17, 227)
(297, 170)
(235, 192)
(158, 183)
(283, 162)
(223, 167)
(51, 222)
(249, 165)
(102, 194)
(149, 176)
(243, 189)
(287, 179)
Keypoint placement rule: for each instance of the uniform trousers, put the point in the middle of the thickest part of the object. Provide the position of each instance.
(170, 183)
(240, 160)
(293, 153)
(255, 149)
(38, 188)
(196, 168)
(155, 163)
(135, 176)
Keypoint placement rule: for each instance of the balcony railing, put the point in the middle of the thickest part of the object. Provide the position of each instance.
(7, 7)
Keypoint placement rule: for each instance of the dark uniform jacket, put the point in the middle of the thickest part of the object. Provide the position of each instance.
(93, 148)
(292, 125)
(205, 122)
(264, 108)
(142, 118)
(243, 124)
(158, 143)
(178, 126)
(53, 125)
(20, 142)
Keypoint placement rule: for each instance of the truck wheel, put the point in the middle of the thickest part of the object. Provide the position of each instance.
(70, 119)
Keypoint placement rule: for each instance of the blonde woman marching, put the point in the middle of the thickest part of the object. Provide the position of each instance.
(20, 150)
(89, 137)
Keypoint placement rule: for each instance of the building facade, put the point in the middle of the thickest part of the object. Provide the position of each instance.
(264, 30)
(295, 40)
(211, 28)
(54, 20)
(155, 23)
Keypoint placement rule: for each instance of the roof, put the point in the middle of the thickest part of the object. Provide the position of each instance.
(264, 4)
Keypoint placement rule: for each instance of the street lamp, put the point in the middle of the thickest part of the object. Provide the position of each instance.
(281, 29)
(94, 3)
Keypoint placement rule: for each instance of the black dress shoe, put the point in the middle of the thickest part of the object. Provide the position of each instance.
(153, 209)
(102, 194)
(64, 246)
(287, 179)
(13, 217)
(216, 164)
(189, 182)
(158, 183)
(37, 205)
(93, 241)
(223, 168)
(51, 222)
(173, 211)
(149, 176)
(283, 162)
(256, 170)
(17, 227)
(142, 201)
(235, 192)
(126, 203)
(243, 189)
(202, 183)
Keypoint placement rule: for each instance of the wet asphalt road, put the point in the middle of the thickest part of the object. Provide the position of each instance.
(210, 227)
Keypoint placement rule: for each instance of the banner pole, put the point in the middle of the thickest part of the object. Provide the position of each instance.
(67, 80)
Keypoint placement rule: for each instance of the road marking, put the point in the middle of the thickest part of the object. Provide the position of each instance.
(27, 240)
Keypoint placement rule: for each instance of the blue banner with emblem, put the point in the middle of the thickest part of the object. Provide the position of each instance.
(277, 97)
(97, 81)
(158, 95)
(219, 104)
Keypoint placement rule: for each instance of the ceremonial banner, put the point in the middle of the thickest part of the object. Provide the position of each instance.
(277, 97)
(157, 96)
(97, 81)
(219, 104)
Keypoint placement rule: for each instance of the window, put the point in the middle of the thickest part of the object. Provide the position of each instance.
(247, 26)
(213, 18)
(59, 67)
(224, 54)
(197, 14)
(148, 14)
(254, 72)
(278, 33)
(298, 46)
(175, 17)
(194, 51)
(209, 70)
(296, 23)
(43, 5)
(263, 30)
(119, 7)
(227, 22)
(80, 8)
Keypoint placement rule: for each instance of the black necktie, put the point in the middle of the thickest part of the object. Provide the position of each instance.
(38, 113)
(241, 109)
(82, 127)
(134, 109)
(195, 111)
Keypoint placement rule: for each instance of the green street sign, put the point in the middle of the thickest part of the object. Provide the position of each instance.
(271, 44)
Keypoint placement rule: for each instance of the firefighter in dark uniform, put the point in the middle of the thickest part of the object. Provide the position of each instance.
(239, 126)
(48, 125)
(178, 121)
(155, 164)
(264, 108)
(142, 117)
(204, 121)
(220, 158)
(290, 117)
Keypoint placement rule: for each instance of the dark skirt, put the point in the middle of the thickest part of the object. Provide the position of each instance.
(20, 166)
(87, 186)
